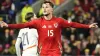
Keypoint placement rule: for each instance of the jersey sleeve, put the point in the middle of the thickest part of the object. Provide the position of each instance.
(65, 23)
(20, 34)
(31, 24)
(17, 46)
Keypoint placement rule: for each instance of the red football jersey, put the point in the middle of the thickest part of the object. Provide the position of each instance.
(49, 32)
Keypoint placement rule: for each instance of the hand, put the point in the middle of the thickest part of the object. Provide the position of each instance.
(3, 24)
(93, 25)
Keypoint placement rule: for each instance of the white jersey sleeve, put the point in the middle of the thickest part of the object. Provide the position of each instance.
(17, 45)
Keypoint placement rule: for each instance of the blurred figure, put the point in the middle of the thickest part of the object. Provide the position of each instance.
(5, 7)
(6, 50)
(1, 48)
(97, 50)
(86, 52)
(78, 45)
(67, 50)
(57, 2)
(92, 11)
(72, 40)
(85, 4)
(66, 47)
(12, 48)
(98, 17)
(8, 7)
(64, 15)
(12, 13)
(8, 38)
(11, 33)
(92, 44)
(97, 34)
(26, 9)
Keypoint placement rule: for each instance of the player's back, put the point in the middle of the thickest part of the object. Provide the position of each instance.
(29, 38)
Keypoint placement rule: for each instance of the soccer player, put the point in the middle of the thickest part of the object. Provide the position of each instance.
(49, 30)
(28, 38)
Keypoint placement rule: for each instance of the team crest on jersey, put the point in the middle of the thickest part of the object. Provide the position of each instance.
(56, 25)
(44, 26)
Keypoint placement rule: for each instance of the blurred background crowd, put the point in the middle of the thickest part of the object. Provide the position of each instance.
(75, 41)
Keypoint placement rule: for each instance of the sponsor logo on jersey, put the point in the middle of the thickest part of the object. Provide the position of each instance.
(44, 26)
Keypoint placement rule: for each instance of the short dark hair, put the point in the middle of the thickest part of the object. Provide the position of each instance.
(51, 4)
(29, 16)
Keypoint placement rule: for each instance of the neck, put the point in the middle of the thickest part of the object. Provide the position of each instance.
(48, 17)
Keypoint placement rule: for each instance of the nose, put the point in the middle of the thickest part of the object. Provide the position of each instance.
(44, 9)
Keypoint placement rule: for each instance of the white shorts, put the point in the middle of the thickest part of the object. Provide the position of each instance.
(30, 52)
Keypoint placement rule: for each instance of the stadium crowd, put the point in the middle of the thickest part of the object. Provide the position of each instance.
(75, 42)
(82, 41)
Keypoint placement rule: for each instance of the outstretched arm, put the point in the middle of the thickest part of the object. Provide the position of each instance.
(65, 23)
(78, 25)
(18, 26)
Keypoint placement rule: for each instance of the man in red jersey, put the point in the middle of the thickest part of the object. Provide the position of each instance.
(49, 30)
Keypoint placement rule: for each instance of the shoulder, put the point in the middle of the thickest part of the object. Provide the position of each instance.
(23, 29)
(33, 29)
(59, 19)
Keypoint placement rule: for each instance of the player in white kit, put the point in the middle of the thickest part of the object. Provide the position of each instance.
(29, 39)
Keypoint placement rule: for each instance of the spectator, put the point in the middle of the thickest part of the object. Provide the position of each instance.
(6, 50)
(1, 48)
(12, 13)
(7, 37)
(6, 5)
(66, 48)
(97, 50)
(31, 1)
(92, 11)
(92, 44)
(26, 9)
(85, 4)
(87, 52)
(98, 17)
(64, 15)
(12, 48)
